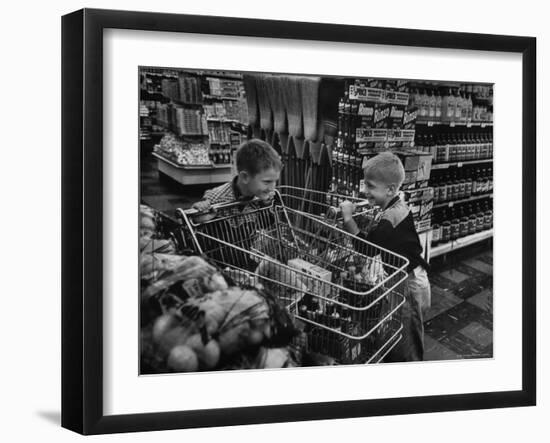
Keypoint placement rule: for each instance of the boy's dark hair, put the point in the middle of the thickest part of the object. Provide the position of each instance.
(255, 156)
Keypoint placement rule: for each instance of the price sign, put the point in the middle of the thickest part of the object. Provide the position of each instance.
(452, 124)
(459, 164)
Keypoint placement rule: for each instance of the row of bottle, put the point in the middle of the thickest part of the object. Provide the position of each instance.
(461, 183)
(332, 316)
(456, 146)
(448, 105)
(450, 225)
(219, 155)
(347, 173)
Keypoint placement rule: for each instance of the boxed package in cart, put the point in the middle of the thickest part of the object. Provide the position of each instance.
(320, 275)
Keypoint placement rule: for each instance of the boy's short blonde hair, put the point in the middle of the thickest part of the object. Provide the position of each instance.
(385, 168)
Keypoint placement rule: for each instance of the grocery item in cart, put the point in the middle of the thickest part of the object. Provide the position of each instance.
(319, 276)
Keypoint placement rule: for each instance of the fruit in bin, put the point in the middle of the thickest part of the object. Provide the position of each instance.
(174, 337)
(255, 337)
(211, 355)
(231, 340)
(263, 326)
(207, 353)
(183, 359)
(162, 325)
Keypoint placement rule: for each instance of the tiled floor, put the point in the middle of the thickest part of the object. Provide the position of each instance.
(459, 323)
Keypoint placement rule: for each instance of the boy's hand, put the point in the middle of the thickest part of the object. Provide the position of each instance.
(202, 206)
(347, 208)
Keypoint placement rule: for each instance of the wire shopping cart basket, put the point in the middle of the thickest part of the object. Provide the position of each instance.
(346, 291)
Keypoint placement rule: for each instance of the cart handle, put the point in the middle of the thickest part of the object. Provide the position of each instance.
(215, 207)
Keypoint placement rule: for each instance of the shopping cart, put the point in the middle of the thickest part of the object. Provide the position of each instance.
(347, 292)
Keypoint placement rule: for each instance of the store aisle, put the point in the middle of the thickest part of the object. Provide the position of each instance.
(459, 323)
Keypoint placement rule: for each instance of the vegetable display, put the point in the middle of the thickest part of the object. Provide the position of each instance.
(196, 318)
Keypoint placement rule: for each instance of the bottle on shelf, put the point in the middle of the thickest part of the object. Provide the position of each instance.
(469, 108)
(480, 218)
(446, 231)
(431, 105)
(468, 185)
(458, 106)
(438, 100)
(447, 107)
(436, 234)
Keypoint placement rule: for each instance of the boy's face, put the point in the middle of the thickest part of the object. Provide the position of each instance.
(261, 185)
(379, 193)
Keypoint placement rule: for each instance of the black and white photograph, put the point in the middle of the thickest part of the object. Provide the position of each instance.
(291, 221)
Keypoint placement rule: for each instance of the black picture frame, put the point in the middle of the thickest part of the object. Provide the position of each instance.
(82, 219)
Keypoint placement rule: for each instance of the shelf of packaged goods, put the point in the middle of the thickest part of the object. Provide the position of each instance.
(221, 75)
(222, 120)
(462, 200)
(166, 74)
(453, 124)
(460, 243)
(194, 174)
(219, 97)
(460, 164)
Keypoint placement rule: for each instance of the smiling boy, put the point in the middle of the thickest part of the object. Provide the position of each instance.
(258, 170)
(395, 232)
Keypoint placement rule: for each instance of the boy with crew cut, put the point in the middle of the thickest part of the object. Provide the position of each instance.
(395, 231)
(258, 170)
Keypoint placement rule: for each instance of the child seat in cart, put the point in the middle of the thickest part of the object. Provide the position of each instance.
(346, 291)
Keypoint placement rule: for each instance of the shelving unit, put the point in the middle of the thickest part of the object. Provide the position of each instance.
(194, 174)
(460, 243)
(454, 124)
(468, 137)
(450, 204)
(219, 97)
(460, 164)
(198, 94)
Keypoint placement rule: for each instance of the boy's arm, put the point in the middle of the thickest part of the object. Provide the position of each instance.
(210, 197)
(382, 235)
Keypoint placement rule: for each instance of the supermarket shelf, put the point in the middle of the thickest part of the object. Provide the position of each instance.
(219, 97)
(176, 165)
(193, 174)
(460, 243)
(453, 124)
(460, 164)
(222, 120)
(463, 200)
(221, 74)
(184, 103)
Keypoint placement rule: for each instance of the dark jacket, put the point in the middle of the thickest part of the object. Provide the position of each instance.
(395, 232)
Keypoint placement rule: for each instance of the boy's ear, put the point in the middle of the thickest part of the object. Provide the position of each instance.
(244, 176)
(392, 188)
